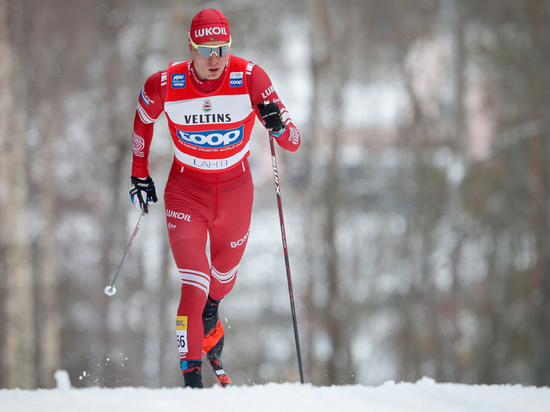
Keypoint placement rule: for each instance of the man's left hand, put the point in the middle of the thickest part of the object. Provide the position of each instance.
(271, 115)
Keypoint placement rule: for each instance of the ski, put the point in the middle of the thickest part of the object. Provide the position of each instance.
(217, 370)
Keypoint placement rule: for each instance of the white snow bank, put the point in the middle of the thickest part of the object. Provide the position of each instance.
(424, 395)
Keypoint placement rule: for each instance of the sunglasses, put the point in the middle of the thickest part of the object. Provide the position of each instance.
(207, 51)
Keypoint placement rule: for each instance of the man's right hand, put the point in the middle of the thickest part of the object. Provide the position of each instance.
(143, 192)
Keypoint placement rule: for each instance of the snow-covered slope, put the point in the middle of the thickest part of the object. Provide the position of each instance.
(424, 395)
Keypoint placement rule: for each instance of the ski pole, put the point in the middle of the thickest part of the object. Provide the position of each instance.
(111, 290)
(285, 250)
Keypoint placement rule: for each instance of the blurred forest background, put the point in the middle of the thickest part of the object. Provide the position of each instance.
(417, 208)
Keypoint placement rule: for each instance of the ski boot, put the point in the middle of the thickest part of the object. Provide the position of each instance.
(192, 376)
(213, 340)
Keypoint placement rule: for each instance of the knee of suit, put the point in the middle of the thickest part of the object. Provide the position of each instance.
(222, 282)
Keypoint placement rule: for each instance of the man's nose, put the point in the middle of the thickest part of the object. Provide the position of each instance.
(213, 58)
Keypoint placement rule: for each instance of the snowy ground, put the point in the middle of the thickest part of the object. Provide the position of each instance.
(424, 395)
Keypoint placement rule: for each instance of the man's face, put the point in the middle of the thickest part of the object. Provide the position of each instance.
(209, 68)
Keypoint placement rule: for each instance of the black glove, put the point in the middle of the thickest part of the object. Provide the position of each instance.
(143, 192)
(271, 115)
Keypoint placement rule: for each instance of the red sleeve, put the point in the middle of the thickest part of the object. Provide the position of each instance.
(150, 106)
(262, 90)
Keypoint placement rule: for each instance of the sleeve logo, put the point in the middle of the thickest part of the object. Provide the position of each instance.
(144, 98)
(138, 145)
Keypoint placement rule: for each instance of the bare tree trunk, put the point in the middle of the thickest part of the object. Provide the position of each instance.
(488, 357)
(308, 148)
(18, 354)
(336, 316)
(538, 164)
(329, 80)
(49, 341)
(452, 16)
(165, 318)
(49, 320)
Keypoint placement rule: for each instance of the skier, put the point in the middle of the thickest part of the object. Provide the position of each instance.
(211, 103)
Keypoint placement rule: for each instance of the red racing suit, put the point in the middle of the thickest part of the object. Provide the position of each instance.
(209, 192)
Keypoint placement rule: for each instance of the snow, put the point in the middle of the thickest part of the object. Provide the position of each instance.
(424, 395)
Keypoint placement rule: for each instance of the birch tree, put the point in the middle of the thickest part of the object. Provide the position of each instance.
(19, 338)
